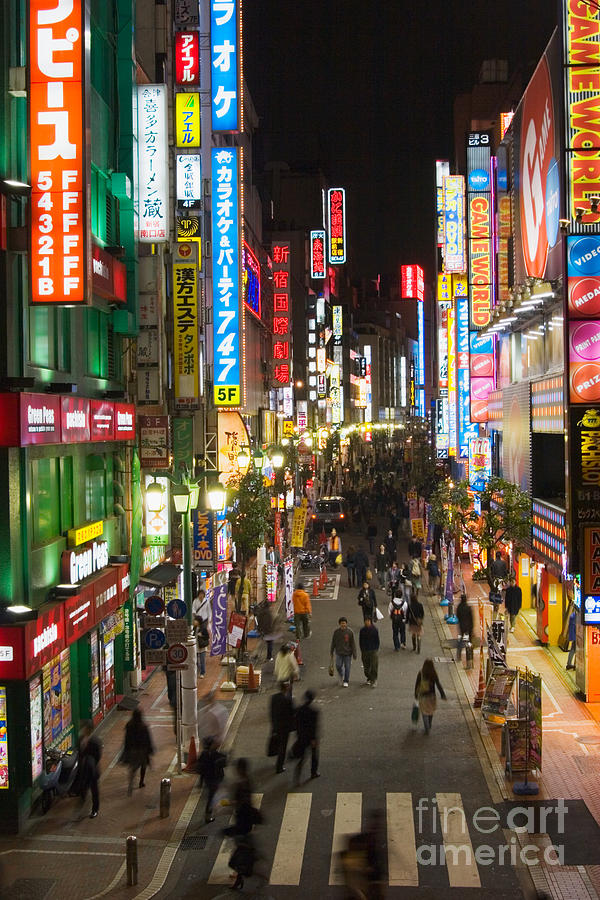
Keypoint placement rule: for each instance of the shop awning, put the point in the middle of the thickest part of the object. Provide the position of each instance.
(161, 576)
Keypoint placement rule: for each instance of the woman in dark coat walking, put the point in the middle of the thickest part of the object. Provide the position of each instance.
(425, 685)
(138, 748)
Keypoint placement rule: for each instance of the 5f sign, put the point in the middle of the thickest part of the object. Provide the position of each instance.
(58, 152)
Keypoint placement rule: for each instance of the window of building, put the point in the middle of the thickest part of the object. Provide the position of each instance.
(95, 488)
(97, 327)
(46, 506)
(66, 493)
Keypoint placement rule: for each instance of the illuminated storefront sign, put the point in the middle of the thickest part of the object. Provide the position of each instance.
(224, 57)
(186, 362)
(188, 229)
(480, 463)
(187, 120)
(153, 168)
(226, 274)
(480, 260)
(452, 388)
(403, 384)
(188, 178)
(584, 361)
(187, 61)
(443, 352)
(321, 359)
(454, 223)
(336, 224)
(75, 419)
(505, 120)
(337, 325)
(58, 153)
(481, 360)
(584, 471)
(317, 254)
(251, 280)
(465, 428)
(583, 270)
(281, 314)
(412, 286)
(442, 169)
(444, 289)
(157, 523)
(334, 393)
(421, 342)
(441, 426)
(77, 536)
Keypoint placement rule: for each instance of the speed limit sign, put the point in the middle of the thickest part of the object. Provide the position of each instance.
(176, 656)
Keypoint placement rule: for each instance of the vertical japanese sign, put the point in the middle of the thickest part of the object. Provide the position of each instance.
(203, 537)
(58, 153)
(336, 224)
(281, 313)
(226, 273)
(153, 182)
(443, 351)
(188, 178)
(289, 588)
(154, 441)
(187, 120)
(480, 218)
(224, 59)
(187, 59)
(218, 643)
(412, 283)
(442, 169)
(186, 361)
(3, 740)
(421, 342)
(454, 223)
(465, 429)
(452, 392)
(317, 254)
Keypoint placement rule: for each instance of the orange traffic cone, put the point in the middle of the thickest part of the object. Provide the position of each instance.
(252, 679)
(324, 577)
(481, 689)
(192, 759)
(315, 590)
(298, 654)
(321, 581)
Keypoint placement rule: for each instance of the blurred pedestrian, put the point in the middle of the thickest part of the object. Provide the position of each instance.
(393, 577)
(265, 622)
(425, 686)
(464, 614)
(286, 666)
(282, 723)
(499, 568)
(381, 566)
(414, 568)
(302, 611)
(350, 566)
(138, 748)
(202, 641)
(343, 647)
(361, 562)
(513, 598)
(416, 614)
(307, 728)
(398, 613)
(390, 547)
(246, 817)
(371, 533)
(90, 753)
(368, 641)
(368, 601)
(212, 719)
(364, 860)
(211, 769)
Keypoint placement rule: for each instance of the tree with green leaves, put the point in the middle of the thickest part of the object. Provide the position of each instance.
(505, 516)
(250, 520)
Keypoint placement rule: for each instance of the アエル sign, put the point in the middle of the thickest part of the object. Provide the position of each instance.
(317, 254)
(336, 224)
(187, 120)
(412, 285)
(225, 65)
(58, 152)
(187, 60)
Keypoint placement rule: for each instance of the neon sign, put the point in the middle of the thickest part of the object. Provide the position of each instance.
(317, 254)
(336, 219)
(224, 58)
(454, 223)
(412, 283)
(153, 168)
(251, 280)
(282, 369)
(187, 62)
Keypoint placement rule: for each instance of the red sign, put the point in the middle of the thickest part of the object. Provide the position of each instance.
(412, 283)
(40, 419)
(124, 421)
(106, 593)
(317, 254)
(336, 207)
(57, 142)
(79, 614)
(44, 638)
(9, 420)
(102, 420)
(187, 63)
(12, 652)
(482, 365)
(281, 311)
(109, 276)
(75, 419)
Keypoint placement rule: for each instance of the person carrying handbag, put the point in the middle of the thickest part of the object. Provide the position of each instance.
(368, 601)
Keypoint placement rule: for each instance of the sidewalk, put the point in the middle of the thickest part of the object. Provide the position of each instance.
(571, 738)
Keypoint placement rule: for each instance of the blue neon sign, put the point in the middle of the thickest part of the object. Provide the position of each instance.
(226, 276)
(421, 332)
(224, 65)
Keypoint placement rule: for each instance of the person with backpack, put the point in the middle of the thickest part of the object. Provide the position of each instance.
(211, 769)
(425, 685)
(414, 569)
(398, 613)
(416, 614)
(368, 601)
(433, 571)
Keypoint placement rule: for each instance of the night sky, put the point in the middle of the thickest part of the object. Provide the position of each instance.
(365, 89)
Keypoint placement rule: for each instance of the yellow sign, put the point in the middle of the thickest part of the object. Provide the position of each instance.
(299, 523)
(77, 536)
(418, 529)
(188, 229)
(288, 428)
(187, 120)
(185, 329)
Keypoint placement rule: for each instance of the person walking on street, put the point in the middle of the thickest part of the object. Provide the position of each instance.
(138, 748)
(286, 667)
(307, 729)
(371, 533)
(425, 685)
(334, 546)
(265, 623)
(498, 568)
(302, 611)
(513, 598)
(368, 641)
(393, 577)
(350, 564)
(202, 641)
(368, 601)
(416, 614)
(414, 568)
(201, 607)
(343, 646)
(282, 722)
(390, 547)
(212, 719)
(464, 614)
(211, 769)
(361, 562)
(381, 566)
(398, 613)
(433, 572)
(90, 753)
(246, 817)
(572, 635)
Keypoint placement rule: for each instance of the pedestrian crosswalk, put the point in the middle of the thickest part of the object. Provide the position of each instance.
(417, 831)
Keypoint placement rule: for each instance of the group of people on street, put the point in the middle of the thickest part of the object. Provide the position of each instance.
(304, 720)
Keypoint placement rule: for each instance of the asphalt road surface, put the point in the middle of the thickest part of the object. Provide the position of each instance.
(431, 789)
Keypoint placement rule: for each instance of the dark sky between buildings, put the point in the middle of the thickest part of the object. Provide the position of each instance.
(366, 90)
